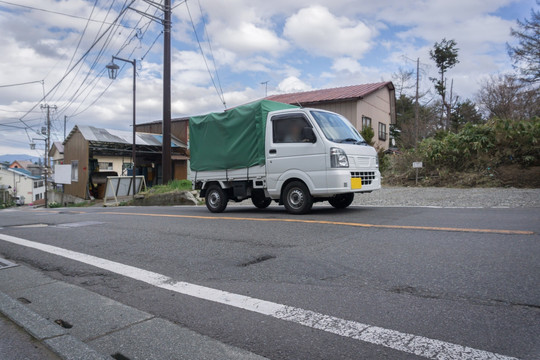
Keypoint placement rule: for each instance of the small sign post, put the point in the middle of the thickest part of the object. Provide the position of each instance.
(417, 165)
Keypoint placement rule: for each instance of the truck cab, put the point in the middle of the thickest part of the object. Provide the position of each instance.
(310, 155)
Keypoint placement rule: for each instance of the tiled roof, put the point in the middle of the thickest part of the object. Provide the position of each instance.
(329, 95)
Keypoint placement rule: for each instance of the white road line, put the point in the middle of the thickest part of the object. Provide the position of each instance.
(418, 345)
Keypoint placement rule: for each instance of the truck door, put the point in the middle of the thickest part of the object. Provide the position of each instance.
(291, 154)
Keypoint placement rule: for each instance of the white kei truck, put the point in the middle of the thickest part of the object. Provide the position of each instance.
(270, 151)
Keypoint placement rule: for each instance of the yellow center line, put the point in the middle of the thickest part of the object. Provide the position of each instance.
(326, 222)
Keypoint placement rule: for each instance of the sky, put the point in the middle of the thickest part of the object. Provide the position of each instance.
(58, 50)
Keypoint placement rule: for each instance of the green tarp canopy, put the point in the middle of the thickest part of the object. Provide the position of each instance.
(232, 139)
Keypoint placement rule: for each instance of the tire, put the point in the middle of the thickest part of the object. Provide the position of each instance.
(259, 200)
(341, 201)
(216, 199)
(296, 198)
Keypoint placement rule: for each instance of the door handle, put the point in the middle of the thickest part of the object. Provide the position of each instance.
(273, 151)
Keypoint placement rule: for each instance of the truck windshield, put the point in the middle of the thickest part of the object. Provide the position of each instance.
(336, 128)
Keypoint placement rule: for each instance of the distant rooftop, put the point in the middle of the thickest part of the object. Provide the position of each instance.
(329, 95)
(94, 134)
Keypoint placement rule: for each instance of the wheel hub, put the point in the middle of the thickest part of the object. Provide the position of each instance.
(296, 198)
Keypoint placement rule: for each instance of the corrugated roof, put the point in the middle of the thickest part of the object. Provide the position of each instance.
(328, 95)
(25, 172)
(94, 134)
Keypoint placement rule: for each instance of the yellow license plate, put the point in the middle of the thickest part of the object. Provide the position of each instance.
(356, 183)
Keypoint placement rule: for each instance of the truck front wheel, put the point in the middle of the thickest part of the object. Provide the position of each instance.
(296, 198)
(341, 201)
(216, 199)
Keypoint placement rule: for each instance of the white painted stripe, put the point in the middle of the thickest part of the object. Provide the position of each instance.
(413, 344)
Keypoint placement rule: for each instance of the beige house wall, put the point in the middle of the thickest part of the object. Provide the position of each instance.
(117, 162)
(56, 157)
(345, 108)
(378, 107)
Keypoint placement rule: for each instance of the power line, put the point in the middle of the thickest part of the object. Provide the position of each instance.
(211, 52)
(19, 84)
(56, 12)
(77, 63)
(204, 57)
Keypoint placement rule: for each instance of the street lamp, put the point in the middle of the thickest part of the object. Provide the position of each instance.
(113, 72)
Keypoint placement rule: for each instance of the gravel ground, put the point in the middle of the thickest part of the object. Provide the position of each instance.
(445, 197)
(450, 197)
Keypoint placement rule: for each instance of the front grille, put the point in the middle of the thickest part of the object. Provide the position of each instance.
(366, 176)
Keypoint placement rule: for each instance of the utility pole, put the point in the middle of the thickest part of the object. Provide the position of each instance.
(265, 83)
(47, 144)
(166, 163)
(416, 101)
(65, 121)
(166, 144)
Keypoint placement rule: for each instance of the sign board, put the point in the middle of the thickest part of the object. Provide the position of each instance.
(62, 174)
(417, 165)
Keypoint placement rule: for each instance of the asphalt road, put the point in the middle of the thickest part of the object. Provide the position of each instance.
(464, 276)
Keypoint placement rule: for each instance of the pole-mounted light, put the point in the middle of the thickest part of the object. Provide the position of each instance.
(113, 70)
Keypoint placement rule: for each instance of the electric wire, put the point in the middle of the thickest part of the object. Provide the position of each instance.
(77, 63)
(52, 12)
(211, 52)
(204, 57)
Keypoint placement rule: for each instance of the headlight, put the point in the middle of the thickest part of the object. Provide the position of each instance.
(338, 158)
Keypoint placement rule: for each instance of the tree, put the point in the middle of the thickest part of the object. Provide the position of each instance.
(445, 55)
(465, 112)
(505, 97)
(526, 53)
(403, 81)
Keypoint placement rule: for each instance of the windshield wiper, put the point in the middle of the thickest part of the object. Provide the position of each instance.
(358, 142)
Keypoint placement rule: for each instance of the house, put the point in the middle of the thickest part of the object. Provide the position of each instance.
(56, 153)
(21, 182)
(21, 164)
(372, 105)
(90, 150)
(179, 130)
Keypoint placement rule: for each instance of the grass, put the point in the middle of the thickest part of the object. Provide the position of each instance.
(175, 185)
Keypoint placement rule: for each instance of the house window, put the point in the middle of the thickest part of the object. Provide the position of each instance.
(382, 131)
(74, 170)
(105, 166)
(366, 122)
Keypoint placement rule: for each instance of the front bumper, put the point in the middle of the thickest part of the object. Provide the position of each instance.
(339, 180)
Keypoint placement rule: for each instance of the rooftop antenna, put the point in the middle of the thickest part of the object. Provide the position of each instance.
(265, 83)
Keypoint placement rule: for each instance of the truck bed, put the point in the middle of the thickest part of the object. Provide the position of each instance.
(251, 173)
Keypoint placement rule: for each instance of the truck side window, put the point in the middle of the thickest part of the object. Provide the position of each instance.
(289, 129)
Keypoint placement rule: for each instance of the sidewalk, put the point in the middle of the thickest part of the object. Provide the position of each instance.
(15, 343)
(91, 326)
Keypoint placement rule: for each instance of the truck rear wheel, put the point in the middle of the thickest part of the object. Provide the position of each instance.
(341, 201)
(296, 198)
(259, 200)
(216, 199)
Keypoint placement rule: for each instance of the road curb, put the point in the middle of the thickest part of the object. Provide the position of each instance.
(48, 333)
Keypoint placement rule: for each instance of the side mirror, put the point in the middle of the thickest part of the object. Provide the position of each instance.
(309, 135)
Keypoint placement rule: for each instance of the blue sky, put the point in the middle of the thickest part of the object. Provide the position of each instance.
(294, 45)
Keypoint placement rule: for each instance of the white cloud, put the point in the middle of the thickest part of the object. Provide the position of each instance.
(292, 84)
(319, 32)
(248, 38)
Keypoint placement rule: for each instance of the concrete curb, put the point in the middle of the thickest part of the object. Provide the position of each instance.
(51, 335)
